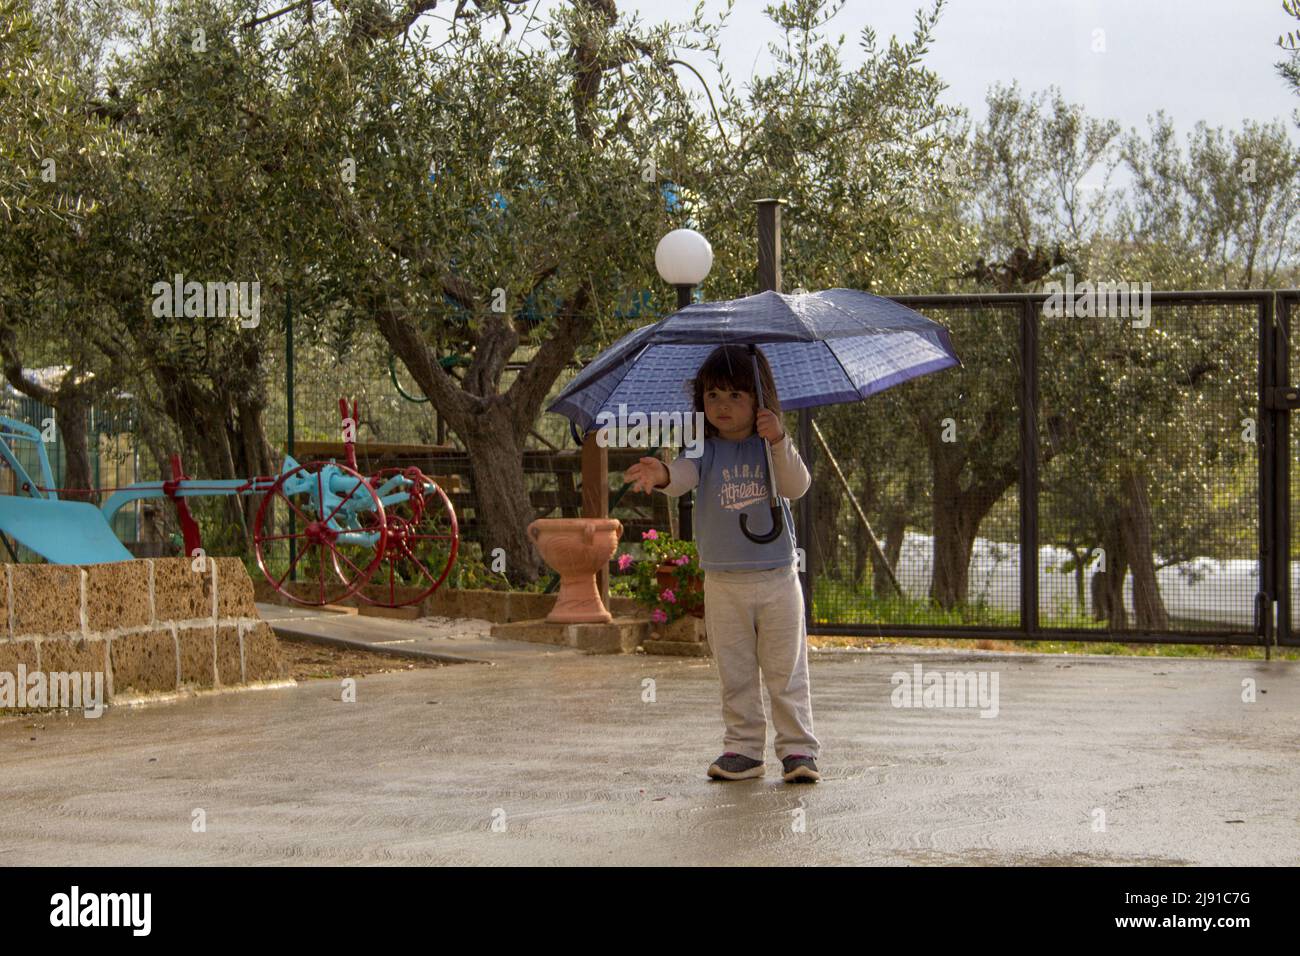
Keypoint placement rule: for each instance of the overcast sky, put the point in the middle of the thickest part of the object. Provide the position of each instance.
(1209, 60)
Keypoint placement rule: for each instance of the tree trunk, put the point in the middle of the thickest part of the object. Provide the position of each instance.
(500, 487)
(225, 450)
(958, 511)
(895, 528)
(494, 427)
(1149, 611)
(72, 414)
(71, 403)
(861, 549)
(255, 455)
(893, 531)
(954, 540)
(1108, 585)
(1080, 557)
(204, 419)
(958, 514)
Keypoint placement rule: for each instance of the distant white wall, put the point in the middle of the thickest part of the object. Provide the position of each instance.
(1202, 589)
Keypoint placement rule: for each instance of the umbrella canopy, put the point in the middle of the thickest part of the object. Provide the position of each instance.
(839, 345)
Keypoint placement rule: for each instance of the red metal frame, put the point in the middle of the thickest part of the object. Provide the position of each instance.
(316, 535)
(189, 527)
(400, 544)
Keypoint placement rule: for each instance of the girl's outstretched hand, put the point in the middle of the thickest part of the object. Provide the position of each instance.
(768, 424)
(647, 473)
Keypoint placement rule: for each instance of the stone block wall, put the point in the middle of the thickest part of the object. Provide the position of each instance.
(151, 626)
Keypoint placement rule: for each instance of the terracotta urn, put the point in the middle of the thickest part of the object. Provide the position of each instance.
(577, 548)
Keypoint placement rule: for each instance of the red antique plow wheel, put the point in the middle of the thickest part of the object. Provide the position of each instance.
(326, 529)
(422, 540)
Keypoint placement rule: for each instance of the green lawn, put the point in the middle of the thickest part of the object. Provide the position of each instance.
(836, 601)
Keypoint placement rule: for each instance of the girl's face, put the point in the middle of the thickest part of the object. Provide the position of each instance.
(731, 412)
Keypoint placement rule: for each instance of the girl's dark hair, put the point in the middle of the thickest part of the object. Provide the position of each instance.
(728, 368)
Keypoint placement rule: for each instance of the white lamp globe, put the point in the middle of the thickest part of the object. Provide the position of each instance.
(683, 257)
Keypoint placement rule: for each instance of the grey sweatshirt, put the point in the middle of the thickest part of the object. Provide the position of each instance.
(731, 479)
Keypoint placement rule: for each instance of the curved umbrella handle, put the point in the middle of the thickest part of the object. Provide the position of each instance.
(778, 522)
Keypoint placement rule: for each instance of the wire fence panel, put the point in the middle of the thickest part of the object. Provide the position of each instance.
(1146, 506)
(1149, 489)
(323, 375)
(932, 466)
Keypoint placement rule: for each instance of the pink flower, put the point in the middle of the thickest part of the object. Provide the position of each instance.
(684, 559)
(652, 534)
(667, 596)
(623, 561)
(658, 616)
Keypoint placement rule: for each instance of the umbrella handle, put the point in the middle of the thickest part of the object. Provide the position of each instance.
(778, 522)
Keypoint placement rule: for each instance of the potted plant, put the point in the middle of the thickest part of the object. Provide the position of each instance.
(666, 578)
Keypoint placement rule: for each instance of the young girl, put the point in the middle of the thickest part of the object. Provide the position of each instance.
(753, 601)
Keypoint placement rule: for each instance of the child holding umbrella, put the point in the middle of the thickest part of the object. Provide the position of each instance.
(753, 600)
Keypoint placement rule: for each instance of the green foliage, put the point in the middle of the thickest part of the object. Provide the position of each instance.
(40, 118)
(470, 571)
(683, 596)
(857, 154)
(1289, 69)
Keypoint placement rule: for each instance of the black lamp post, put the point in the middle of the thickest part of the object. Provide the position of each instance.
(769, 278)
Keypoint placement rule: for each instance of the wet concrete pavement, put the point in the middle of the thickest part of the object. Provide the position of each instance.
(557, 759)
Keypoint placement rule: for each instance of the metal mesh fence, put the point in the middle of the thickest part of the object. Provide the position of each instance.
(1147, 476)
(1150, 499)
(1288, 584)
(323, 374)
(906, 455)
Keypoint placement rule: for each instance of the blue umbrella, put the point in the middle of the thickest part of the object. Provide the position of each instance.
(839, 345)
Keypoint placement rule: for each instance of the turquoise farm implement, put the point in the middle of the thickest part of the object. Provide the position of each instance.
(323, 531)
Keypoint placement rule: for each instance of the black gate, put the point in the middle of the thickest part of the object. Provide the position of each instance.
(1098, 471)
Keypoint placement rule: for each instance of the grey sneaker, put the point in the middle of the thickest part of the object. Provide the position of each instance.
(733, 766)
(800, 768)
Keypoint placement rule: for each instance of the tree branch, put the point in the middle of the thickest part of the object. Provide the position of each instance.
(436, 382)
(267, 18)
(533, 383)
(496, 341)
(13, 367)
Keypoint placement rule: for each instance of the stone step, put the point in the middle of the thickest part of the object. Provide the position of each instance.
(478, 603)
(621, 636)
(678, 648)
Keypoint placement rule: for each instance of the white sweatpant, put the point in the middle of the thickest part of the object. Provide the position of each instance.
(754, 620)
